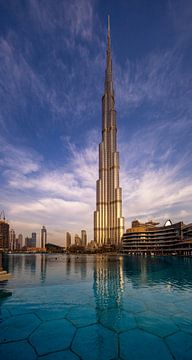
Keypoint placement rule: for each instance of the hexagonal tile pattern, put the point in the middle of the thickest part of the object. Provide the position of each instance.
(184, 322)
(82, 316)
(118, 320)
(161, 307)
(137, 344)
(49, 314)
(156, 324)
(133, 305)
(61, 355)
(96, 343)
(17, 350)
(184, 306)
(18, 327)
(52, 336)
(180, 345)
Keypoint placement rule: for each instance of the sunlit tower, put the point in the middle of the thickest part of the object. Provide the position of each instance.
(108, 220)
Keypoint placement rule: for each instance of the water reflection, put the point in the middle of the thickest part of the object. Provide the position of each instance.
(4, 293)
(152, 271)
(43, 267)
(30, 263)
(108, 281)
(108, 277)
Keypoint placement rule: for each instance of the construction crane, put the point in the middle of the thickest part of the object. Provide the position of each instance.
(2, 215)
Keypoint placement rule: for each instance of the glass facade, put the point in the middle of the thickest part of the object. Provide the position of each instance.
(152, 239)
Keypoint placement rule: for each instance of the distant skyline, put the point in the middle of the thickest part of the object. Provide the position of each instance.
(52, 63)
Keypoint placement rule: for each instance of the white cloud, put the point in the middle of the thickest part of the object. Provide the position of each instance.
(64, 199)
(77, 15)
(154, 174)
(18, 161)
(156, 79)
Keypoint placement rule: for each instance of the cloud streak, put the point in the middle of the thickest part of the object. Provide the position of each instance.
(51, 82)
(65, 198)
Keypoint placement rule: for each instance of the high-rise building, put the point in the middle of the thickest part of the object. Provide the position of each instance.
(33, 239)
(68, 240)
(77, 240)
(31, 242)
(43, 236)
(108, 220)
(12, 240)
(27, 241)
(20, 241)
(4, 234)
(83, 238)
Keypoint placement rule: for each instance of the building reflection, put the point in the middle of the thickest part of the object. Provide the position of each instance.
(77, 265)
(68, 265)
(43, 267)
(13, 263)
(30, 263)
(108, 282)
(4, 277)
(149, 271)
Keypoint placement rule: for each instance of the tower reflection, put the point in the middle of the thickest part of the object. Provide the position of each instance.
(108, 282)
(43, 266)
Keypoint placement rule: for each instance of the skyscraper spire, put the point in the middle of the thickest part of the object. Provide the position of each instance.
(108, 220)
(108, 34)
(108, 70)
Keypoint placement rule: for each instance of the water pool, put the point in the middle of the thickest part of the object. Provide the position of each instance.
(96, 307)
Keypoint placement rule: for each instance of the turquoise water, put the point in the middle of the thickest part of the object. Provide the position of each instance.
(96, 307)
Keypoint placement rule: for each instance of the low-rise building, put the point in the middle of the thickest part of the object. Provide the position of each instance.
(148, 238)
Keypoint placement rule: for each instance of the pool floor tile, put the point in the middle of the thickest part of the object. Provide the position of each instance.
(52, 336)
(19, 350)
(95, 343)
(180, 345)
(156, 324)
(18, 327)
(82, 315)
(50, 314)
(118, 320)
(184, 322)
(139, 345)
(61, 355)
(133, 306)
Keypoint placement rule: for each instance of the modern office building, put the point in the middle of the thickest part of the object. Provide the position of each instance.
(12, 240)
(31, 242)
(77, 240)
(108, 220)
(4, 234)
(68, 240)
(33, 239)
(43, 237)
(150, 239)
(20, 241)
(83, 238)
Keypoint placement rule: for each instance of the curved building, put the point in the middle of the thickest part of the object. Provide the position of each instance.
(108, 220)
(150, 239)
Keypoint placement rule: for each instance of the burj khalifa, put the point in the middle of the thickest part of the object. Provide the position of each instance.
(108, 219)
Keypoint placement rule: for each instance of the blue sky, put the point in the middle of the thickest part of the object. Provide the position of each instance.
(52, 62)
